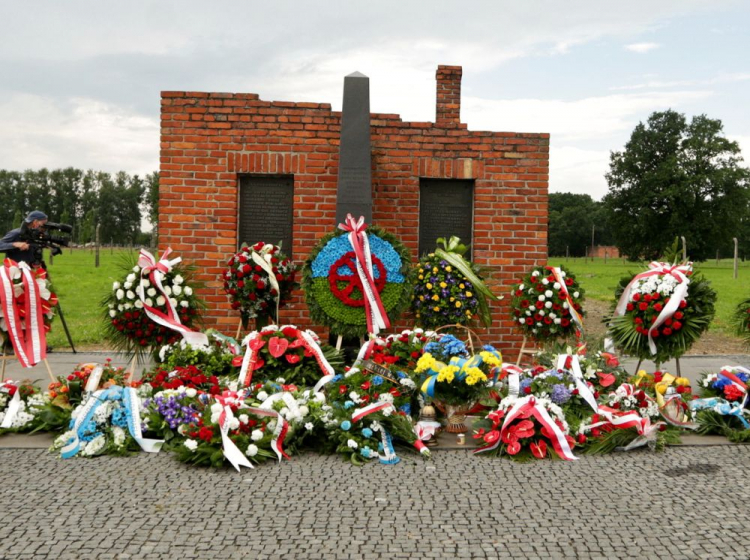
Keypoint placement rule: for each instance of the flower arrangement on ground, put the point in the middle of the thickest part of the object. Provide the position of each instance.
(402, 350)
(450, 289)
(69, 391)
(601, 370)
(660, 313)
(346, 293)
(547, 304)
(219, 357)
(259, 280)
(524, 428)
(152, 305)
(365, 412)
(26, 310)
(107, 422)
(289, 352)
(742, 320)
(723, 408)
(20, 402)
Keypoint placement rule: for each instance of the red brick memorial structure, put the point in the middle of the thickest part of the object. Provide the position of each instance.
(235, 168)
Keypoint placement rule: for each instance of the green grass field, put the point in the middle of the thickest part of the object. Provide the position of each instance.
(81, 287)
(599, 281)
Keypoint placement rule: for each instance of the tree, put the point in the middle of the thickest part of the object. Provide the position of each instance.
(571, 217)
(676, 178)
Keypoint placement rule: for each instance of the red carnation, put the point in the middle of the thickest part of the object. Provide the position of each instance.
(261, 284)
(643, 306)
(246, 268)
(658, 307)
(636, 297)
(630, 307)
(683, 304)
(666, 331)
(565, 322)
(677, 325)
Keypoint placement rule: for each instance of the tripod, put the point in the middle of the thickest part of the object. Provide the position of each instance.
(60, 312)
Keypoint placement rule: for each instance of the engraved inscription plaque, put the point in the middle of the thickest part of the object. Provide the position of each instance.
(446, 207)
(266, 211)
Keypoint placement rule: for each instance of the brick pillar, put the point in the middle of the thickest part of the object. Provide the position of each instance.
(448, 107)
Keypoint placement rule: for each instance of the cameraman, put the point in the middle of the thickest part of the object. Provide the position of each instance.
(20, 251)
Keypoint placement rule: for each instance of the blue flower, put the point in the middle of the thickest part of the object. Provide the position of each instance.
(348, 404)
(346, 425)
(340, 245)
(720, 383)
(560, 394)
(406, 409)
(367, 432)
(365, 452)
(401, 375)
(377, 380)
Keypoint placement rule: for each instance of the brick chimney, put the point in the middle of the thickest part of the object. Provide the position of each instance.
(448, 107)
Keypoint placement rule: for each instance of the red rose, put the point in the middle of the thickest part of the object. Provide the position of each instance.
(677, 325)
(683, 304)
(539, 304)
(630, 307)
(261, 284)
(243, 259)
(643, 306)
(666, 331)
(581, 439)
(533, 279)
(679, 315)
(568, 281)
(636, 297)
(529, 321)
(658, 307)
(565, 322)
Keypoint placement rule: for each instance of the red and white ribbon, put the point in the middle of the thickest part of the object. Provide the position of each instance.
(230, 450)
(366, 350)
(279, 432)
(622, 421)
(156, 271)
(12, 409)
(528, 406)
(377, 318)
(513, 373)
(679, 294)
(30, 345)
(577, 374)
(577, 319)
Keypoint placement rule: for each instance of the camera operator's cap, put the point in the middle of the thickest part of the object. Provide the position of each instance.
(35, 215)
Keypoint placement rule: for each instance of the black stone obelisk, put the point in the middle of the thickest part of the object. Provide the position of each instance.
(354, 193)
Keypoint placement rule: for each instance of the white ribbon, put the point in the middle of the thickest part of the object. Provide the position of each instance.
(11, 319)
(230, 450)
(12, 411)
(259, 259)
(34, 320)
(94, 378)
(577, 374)
(133, 403)
(514, 378)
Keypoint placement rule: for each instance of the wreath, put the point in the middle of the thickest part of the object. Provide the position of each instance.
(137, 299)
(742, 320)
(546, 304)
(20, 308)
(334, 291)
(259, 279)
(449, 289)
(660, 313)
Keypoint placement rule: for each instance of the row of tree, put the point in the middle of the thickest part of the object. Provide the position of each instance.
(83, 199)
(674, 178)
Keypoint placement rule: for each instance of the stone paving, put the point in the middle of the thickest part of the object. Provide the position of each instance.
(683, 503)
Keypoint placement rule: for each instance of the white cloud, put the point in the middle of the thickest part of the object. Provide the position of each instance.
(584, 119)
(659, 84)
(85, 133)
(578, 171)
(642, 48)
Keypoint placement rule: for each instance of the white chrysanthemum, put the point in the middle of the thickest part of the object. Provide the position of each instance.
(149, 302)
(558, 321)
(256, 435)
(151, 292)
(130, 294)
(191, 392)
(119, 294)
(94, 446)
(188, 291)
(352, 444)
(545, 281)
(576, 294)
(168, 290)
(385, 397)
(115, 286)
(130, 278)
(145, 282)
(542, 297)
(128, 306)
(548, 305)
(184, 303)
(521, 320)
(118, 435)
(178, 280)
(173, 301)
(556, 285)
(191, 444)
(535, 273)
(354, 397)
(138, 304)
(548, 293)
(160, 301)
(112, 313)
(127, 285)
(252, 450)
(408, 383)
(234, 423)
(262, 396)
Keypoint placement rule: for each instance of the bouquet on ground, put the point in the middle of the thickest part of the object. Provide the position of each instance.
(601, 370)
(26, 310)
(524, 428)
(723, 408)
(365, 412)
(402, 350)
(69, 391)
(219, 357)
(20, 402)
(451, 376)
(152, 305)
(259, 279)
(450, 289)
(107, 422)
(660, 313)
(286, 351)
(546, 304)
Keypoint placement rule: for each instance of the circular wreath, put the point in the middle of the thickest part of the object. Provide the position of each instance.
(742, 320)
(129, 328)
(647, 299)
(333, 290)
(449, 289)
(539, 306)
(248, 285)
(48, 297)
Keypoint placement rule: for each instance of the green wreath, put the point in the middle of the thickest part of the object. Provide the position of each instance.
(332, 288)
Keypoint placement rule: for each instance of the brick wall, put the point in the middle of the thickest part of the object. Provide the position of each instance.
(209, 139)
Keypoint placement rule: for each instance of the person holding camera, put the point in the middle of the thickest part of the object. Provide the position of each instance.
(18, 250)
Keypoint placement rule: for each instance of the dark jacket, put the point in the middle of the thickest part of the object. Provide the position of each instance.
(11, 252)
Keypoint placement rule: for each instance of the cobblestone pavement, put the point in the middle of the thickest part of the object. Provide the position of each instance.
(683, 503)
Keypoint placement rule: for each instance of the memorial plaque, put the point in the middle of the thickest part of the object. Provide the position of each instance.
(266, 211)
(446, 208)
(354, 192)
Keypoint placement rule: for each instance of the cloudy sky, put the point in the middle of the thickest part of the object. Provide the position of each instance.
(80, 80)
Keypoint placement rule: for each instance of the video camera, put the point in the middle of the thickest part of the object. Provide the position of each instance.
(41, 238)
